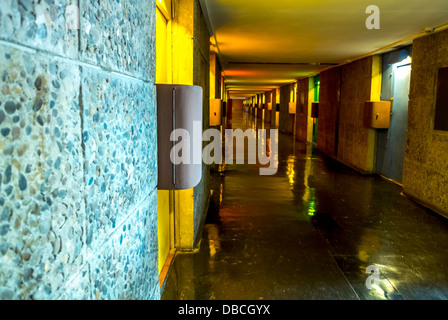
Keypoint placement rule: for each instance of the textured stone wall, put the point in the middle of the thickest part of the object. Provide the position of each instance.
(425, 174)
(329, 99)
(78, 165)
(286, 120)
(341, 131)
(302, 110)
(353, 136)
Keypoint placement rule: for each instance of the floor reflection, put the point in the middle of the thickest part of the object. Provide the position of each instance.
(310, 232)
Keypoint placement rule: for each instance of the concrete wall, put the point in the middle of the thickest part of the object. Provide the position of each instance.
(425, 174)
(191, 66)
(78, 165)
(302, 110)
(329, 100)
(341, 131)
(201, 77)
(286, 120)
(355, 141)
(215, 76)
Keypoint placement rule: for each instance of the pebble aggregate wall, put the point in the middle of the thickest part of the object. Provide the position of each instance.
(78, 165)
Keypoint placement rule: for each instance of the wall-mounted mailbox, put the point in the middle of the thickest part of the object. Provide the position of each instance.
(292, 108)
(315, 110)
(269, 106)
(179, 107)
(377, 114)
(215, 112)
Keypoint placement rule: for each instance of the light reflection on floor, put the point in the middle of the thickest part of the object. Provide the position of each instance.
(310, 232)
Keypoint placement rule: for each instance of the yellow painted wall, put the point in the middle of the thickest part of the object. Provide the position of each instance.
(163, 225)
(161, 48)
(175, 56)
(178, 68)
(182, 68)
(310, 121)
(182, 42)
(163, 75)
(375, 95)
(184, 225)
(212, 75)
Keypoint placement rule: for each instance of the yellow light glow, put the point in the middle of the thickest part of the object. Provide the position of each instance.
(161, 48)
(165, 7)
(312, 208)
(404, 62)
(290, 169)
(163, 226)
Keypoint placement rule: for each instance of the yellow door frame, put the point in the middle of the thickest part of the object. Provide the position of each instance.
(165, 198)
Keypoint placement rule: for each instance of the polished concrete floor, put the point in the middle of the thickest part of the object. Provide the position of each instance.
(310, 232)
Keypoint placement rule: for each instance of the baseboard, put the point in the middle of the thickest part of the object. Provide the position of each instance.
(426, 204)
(164, 273)
(390, 180)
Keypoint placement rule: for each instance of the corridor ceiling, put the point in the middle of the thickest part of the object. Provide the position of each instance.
(265, 44)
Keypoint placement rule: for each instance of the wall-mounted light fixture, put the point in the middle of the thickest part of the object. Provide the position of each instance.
(406, 62)
(179, 117)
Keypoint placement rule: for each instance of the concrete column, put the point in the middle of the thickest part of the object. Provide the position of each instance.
(260, 106)
(213, 88)
(274, 107)
(267, 113)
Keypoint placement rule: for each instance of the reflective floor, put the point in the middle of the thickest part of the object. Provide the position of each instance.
(310, 232)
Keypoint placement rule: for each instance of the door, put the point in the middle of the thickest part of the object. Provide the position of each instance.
(165, 209)
(391, 143)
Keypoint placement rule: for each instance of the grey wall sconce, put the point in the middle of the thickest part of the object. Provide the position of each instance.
(179, 107)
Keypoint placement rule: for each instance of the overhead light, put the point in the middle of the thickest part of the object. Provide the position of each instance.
(406, 62)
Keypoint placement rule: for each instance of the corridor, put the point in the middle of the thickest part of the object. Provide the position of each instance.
(310, 232)
(112, 115)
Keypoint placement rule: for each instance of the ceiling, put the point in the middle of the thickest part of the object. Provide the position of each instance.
(265, 44)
